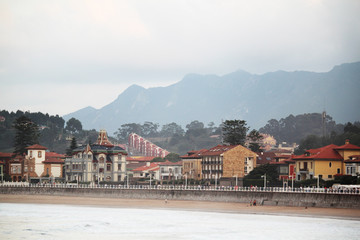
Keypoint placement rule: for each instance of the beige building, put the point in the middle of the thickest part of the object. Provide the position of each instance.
(227, 162)
(192, 164)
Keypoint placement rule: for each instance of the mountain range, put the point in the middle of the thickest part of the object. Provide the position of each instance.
(238, 95)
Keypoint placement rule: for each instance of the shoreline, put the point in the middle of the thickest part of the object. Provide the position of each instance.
(204, 206)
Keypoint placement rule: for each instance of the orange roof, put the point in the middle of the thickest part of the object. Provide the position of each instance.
(327, 152)
(153, 166)
(37, 147)
(139, 159)
(219, 149)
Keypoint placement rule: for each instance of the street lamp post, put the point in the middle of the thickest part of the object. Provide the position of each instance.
(236, 180)
(264, 176)
(318, 182)
(150, 179)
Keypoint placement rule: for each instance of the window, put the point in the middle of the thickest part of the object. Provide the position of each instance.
(47, 171)
(30, 153)
(311, 166)
(329, 176)
(338, 170)
(108, 167)
(119, 167)
(25, 169)
(320, 176)
(39, 154)
(329, 164)
(101, 160)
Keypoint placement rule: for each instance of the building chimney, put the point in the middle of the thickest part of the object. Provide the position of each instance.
(347, 141)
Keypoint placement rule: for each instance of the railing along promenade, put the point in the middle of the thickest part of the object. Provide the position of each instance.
(343, 189)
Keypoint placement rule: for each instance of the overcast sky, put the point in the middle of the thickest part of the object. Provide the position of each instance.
(60, 56)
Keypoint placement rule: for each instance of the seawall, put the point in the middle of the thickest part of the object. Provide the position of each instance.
(298, 199)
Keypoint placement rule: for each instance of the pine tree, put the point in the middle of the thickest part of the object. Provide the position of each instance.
(73, 145)
(234, 132)
(27, 134)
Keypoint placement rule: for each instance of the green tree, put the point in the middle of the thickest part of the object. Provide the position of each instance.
(73, 146)
(123, 133)
(150, 129)
(168, 130)
(268, 169)
(173, 157)
(73, 126)
(234, 132)
(254, 140)
(27, 134)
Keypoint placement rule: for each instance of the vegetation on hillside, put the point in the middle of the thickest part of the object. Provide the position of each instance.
(293, 129)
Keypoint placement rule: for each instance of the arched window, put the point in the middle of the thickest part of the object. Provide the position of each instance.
(329, 164)
(101, 160)
(39, 154)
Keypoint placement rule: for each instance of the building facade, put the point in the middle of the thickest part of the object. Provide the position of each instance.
(97, 162)
(325, 162)
(192, 164)
(227, 162)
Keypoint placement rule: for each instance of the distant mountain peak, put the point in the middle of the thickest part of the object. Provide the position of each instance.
(238, 95)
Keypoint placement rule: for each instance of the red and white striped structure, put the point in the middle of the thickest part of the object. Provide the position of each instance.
(145, 147)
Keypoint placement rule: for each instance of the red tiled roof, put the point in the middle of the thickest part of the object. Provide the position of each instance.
(139, 159)
(6, 155)
(327, 152)
(168, 163)
(37, 147)
(353, 159)
(153, 166)
(194, 154)
(218, 150)
(53, 157)
(348, 146)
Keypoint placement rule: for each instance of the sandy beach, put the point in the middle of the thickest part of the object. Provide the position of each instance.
(224, 207)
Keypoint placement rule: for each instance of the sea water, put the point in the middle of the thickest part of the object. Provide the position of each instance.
(40, 221)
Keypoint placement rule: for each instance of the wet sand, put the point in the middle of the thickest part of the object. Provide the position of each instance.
(223, 207)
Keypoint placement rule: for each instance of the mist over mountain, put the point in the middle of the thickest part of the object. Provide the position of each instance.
(238, 95)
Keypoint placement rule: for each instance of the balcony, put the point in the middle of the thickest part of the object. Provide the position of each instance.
(304, 170)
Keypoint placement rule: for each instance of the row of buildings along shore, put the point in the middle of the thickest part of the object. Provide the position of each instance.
(105, 162)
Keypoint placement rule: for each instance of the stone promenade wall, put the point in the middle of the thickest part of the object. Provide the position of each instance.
(265, 198)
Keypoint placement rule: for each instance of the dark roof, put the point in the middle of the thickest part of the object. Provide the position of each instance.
(265, 157)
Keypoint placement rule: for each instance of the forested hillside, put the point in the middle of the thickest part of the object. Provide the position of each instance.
(53, 133)
(293, 129)
(307, 130)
